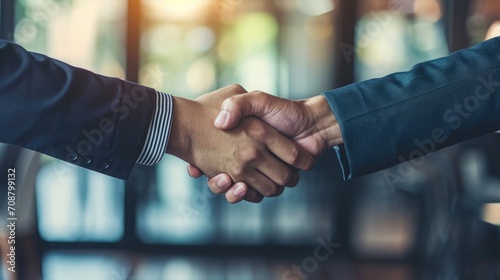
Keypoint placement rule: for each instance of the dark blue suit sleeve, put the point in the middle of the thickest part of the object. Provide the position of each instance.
(96, 122)
(403, 116)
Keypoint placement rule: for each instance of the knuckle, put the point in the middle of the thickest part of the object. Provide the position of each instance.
(294, 155)
(238, 171)
(249, 154)
(237, 87)
(269, 191)
(260, 132)
(230, 102)
(257, 92)
(285, 177)
(310, 165)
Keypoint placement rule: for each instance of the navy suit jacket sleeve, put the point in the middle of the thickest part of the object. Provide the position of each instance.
(403, 116)
(97, 122)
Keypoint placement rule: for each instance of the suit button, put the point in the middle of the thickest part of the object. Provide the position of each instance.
(104, 164)
(88, 159)
(73, 157)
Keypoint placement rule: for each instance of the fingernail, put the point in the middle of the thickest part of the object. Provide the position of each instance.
(239, 191)
(222, 182)
(221, 118)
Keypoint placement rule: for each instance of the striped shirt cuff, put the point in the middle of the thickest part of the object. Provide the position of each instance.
(159, 131)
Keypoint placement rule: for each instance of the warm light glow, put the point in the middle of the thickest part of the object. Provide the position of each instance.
(227, 49)
(163, 39)
(494, 30)
(256, 29)
(319, 28)
(71, 41)
(200, 76)
(491, 213)
(250, 33)
(153, 75)
(175, 9)
(428, 10)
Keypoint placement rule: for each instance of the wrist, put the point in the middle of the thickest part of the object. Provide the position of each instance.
(182, 128)
(325, 124)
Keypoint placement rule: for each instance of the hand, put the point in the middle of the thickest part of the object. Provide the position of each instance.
(252, 152)
(310, 123)
(494, 30)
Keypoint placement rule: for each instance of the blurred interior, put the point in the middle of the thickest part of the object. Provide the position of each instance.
(442, 221)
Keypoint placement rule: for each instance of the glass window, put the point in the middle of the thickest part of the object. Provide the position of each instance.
(305, 40)
(187, 48)
(393, 36)
(75, 204)
(177, 47)
(85, 33)
(78, 205)
(77, 266)
(281, 47)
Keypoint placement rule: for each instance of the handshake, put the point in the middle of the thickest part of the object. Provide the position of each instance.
(251, 145)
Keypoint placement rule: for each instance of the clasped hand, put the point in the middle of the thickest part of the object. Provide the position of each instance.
(257, 143)
(249, 151)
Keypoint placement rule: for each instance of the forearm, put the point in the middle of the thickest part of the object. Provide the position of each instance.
(184, 116)
(441, 102)
(97, 122)
(326, 124)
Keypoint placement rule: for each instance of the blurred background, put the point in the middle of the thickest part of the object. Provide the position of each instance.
(439, 221)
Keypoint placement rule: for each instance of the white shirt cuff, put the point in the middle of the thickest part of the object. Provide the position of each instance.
(159, 131)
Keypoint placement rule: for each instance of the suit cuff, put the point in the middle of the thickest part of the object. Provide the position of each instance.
(158, 132)
(340, 150)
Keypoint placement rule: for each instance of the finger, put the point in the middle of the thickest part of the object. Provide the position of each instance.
(237, 107)
(275, 169)
(237, 193)
(253, 196)
(294, 181)
(263, 185)
(289, 151)
(194, 171)
(220, 183)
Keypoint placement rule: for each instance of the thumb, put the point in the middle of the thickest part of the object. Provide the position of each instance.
(194, 171)
(240, 106)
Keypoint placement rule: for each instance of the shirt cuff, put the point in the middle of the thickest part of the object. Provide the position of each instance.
(159, 131)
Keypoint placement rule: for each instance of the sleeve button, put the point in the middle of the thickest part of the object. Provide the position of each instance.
(73, 157)
(88, 159)
(104, 164)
